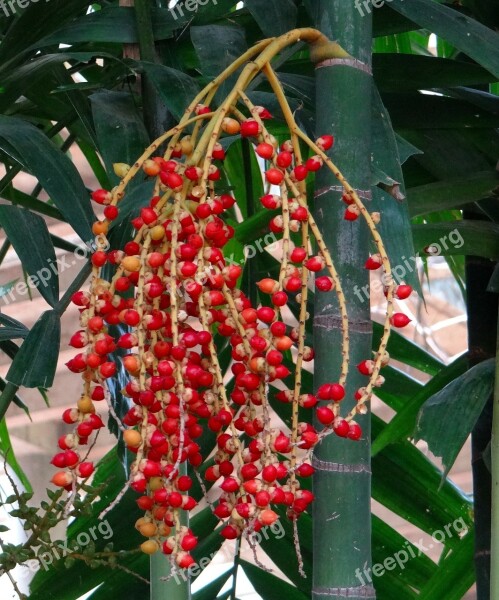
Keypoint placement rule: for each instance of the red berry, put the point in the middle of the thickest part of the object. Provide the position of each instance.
(250, 128)
(325, 415)
(403, 291)
(298, 255)
(274, 176)
(284, 159)
(265, 150)
(400, 320)
(111, 212)
(279, 299)
(354, 431)
(373, 262)
(325, 142)
(324, 284)
(341, 427)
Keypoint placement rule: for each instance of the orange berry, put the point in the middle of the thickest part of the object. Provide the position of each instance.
(100, 228)
(85, 405)
(230, 126)
(149, 547)
(131, 263)
(132, 438)
(151, 168)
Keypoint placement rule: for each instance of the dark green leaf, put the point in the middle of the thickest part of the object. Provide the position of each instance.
(217, 46)
(471, 37)
(450, 193)
(471, 238)
(21, 225)
(53, 169)
(36, 361)
(453, 577)
(395, 222)
(176, 89)
(274, 17)
(120, 130)
(447, 418)
(403, 423)
(7, 452)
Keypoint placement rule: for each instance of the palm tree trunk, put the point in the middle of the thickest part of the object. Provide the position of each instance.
(482, 345)
(342, 482)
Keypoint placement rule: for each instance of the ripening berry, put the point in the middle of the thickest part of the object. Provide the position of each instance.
(218, 152)
(271, 201)
(274, 176)
(352, 213)
(354, 431)
(131, 264)
(325, 415)
(151, 168)
(268, 286)
(324, 284)
(265, 150)
(132, 438)
(121, 169)
(62, 479)
(149, 547)
(267, 517)
(299, 173)
(284, 159)
(366, 367)
(230, 126)
(400, 320)
(298, 255)
(325, 142)
(373, 262)
(341, 427)
(314, 163)
(250, 128)
(403, 291)
(102, 196)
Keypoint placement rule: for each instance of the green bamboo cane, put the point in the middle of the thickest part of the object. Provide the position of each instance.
(342, 482)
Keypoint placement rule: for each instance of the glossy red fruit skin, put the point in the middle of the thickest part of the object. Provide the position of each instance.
(341, 427)
(274, 176)
(400, 320)
(373, 263)
(250, 128)
(354, 431)
(403, 291)
(300, 172)
(325, 142)
(284, 159)
(265, 150)
(325, 415)
(298, 255)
